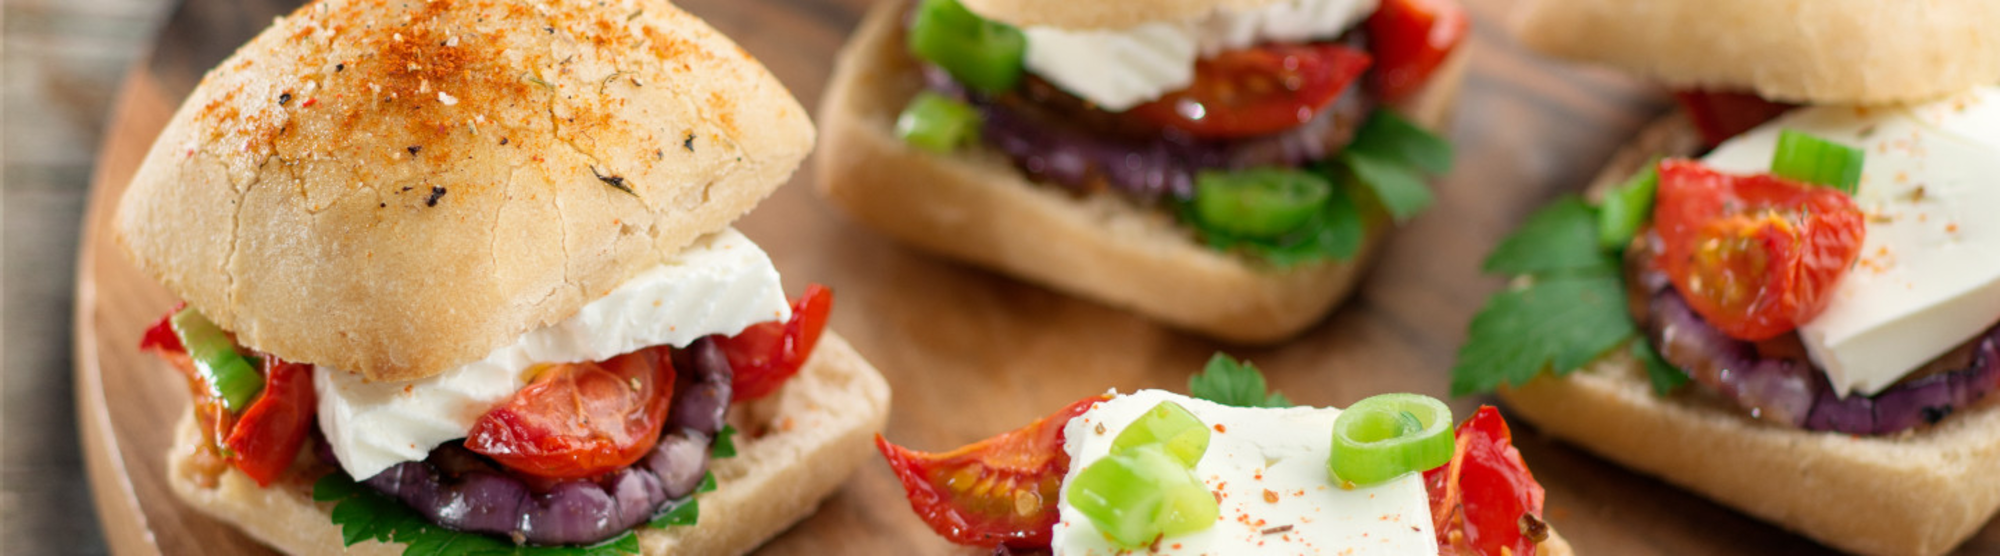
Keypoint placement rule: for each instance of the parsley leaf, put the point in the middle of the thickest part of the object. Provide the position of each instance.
(725, 443)
(1570, 310)
(1559, 237)
(1665, 377)
(1228, 382)
(364, 514)
(1389, 136)
(682, 513)
(1400, 187)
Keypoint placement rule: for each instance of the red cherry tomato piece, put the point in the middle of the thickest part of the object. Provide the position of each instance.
(580, 420)
(765, 355)
(998, 491)
(1410, 39)
(1755, 255)
(1479, 500)
(1722, 115)
(1258, 91)
(267, 437)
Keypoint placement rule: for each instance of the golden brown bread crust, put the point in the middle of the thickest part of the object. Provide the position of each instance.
(1915, 494)
(397, 187)
(1804, 51)
(977, 207)
(1102, 14)
(833, 407)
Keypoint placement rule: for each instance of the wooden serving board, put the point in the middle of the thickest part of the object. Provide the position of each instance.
(970, 353)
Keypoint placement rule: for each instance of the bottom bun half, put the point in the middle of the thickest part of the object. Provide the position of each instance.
(976, 206)
(799, 445)
(1917, 493)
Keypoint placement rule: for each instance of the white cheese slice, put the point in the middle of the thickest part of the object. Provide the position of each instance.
(1929, 274)
(720, 285)
(1120, 68)
(1268, 466)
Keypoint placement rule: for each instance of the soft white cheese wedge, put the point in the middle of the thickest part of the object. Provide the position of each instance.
(1268, 467)
(720, 285)
(1121, 68)
(1929, 274)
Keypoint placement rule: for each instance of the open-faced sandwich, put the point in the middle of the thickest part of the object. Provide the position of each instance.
(459, 278)
(1233, 470)
(1789, 309)
(1222, 166)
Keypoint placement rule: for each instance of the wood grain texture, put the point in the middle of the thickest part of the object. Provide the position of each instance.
(969, 353)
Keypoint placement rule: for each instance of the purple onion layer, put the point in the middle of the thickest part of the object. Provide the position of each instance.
(464, 491)
(1792, 392)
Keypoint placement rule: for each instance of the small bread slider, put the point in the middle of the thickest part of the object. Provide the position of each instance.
(1226, 167)
(1784, 296)
(1234, 470)
(459, 274)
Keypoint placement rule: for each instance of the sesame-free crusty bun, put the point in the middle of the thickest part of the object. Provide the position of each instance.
(1803, 51)
(976, 206)
(398, 187)
(1913, 494)
(800, 444)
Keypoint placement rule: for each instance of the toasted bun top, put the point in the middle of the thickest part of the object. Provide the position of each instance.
(398, 187)
(1804, 51)
(1102, 14)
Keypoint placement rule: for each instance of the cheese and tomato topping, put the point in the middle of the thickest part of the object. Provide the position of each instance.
(1928, 277)
(720, 285)
(1268, 469)
(1118, 69)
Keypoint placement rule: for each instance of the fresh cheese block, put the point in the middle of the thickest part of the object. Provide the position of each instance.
(1268, 469)
(1120, 68)
(1928, 277)
(720, 285)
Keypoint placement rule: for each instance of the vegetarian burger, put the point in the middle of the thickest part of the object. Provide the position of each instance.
(1222, 166)
(459, 273)
(1785, 296)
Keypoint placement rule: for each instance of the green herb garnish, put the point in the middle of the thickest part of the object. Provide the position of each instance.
(1229, 382)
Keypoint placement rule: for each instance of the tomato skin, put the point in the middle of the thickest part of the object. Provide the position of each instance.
(270, 432)
(765, 355)
(1258, 90)
(1721, 115)
(1410, 39)
(580, 420)
(999, 491)
(1755, 255)
(1479, 499)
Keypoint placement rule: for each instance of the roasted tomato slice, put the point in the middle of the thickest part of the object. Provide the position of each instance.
(1754, 255)
(1722, 115)
(1410, 39)
(1485, 502)
(764, 355)
(998, 491)
(267, 437)
(580, 420)
(1258, 91)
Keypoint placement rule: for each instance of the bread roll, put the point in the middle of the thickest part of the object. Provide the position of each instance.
(1801, 51)
(1918, 493)
(398, 188)
(820, 427)
(977, 207)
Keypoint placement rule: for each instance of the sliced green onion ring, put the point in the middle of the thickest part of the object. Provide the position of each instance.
(1136, 496)
(1626, 208)
(228, 374)
(937, 123)
(1169, 426)
(985, 55)
(1383, 437)
(1259, 203)
(1817, 161)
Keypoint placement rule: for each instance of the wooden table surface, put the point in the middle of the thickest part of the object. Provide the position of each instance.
(970, 353)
